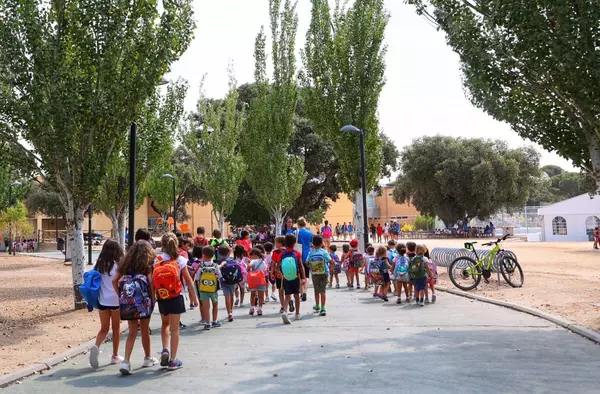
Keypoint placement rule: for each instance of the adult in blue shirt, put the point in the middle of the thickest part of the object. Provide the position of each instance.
(305, 237)
(288, 227)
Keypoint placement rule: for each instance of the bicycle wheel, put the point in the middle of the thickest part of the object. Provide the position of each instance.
(464, 273)
(511, 271)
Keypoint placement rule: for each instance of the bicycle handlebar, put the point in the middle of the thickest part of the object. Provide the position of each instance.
(496, 242)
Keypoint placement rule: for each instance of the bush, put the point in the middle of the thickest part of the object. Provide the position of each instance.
(408, 228)
(424, 222)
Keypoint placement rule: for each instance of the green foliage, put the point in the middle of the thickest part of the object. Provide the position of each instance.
(556, 185)
(218, 153)
(43, 199)
(315, 217)
(273, 174)
(459, 179)
(247, 210)
(13, 221)
(424, 222)
(552, 170)
(344, 75)
(531, 64)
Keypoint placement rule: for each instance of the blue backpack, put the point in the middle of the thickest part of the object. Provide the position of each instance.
(401, 267)
(231, 273)
(90, 289)
(289, 265)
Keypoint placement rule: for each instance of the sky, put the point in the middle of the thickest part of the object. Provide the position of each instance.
(423, 94)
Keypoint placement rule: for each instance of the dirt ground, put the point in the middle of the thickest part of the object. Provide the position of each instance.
(37, 320)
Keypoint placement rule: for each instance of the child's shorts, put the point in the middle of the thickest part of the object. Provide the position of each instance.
(402, 278)
(420, 284)
(386, 277)
(291, 286)
(260, 288)
(204, 296)
(228, 290)
(320, 283)
(432, 282)
(175, 306)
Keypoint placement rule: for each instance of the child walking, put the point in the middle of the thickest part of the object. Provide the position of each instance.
(275, 271)
(401, 277)
(241, 257)
(257, 281)
(369, 256)
(206, 280)
(170, 270)
(133, 283)
(336, 267)
(410, 253)
(346, 262)
(269, 261)
(318, 261)
(419, 270)
(431, 279)
(108, 302)
(231, 277)
(293, 273)
(356, 261)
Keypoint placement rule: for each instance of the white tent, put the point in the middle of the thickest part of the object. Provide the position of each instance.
(570, 220)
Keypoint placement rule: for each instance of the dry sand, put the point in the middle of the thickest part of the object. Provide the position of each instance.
(37, 320)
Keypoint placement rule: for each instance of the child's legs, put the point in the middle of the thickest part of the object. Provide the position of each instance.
(337, 279)
(252, 298)
(323, 299)
(316, 292)
(426, 291)
(145, 331)
(376, 289)
(174, 320)
(357, 277)
(237, 292)
(215, 311)
(205, 309)
(104, 326)
(286, 302)
(242, 288)
(405, 286)
(229, 304)
(261, 298)
(297, 300)
(115, 318)
(164, 328)
(133, 329)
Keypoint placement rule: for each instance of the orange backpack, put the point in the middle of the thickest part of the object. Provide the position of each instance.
(166, 279)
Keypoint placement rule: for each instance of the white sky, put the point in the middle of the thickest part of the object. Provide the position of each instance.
(423, 94)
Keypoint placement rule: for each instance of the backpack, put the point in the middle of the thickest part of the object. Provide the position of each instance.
(432, 268)
(401, 267)
(215, 244)
(327, 232)
(256, 277)
(356, 259)
(90, 289)
(289, 265)
(166, 279)
(416, 267)
(374, 269)
(208, 278)
(231, 272)
(134, 297)
(316, 262)
(337, 266)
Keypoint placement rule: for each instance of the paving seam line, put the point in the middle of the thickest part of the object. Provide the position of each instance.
(565, 323)
(47, 364)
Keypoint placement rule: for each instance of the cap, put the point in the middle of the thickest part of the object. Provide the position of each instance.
(354, 243)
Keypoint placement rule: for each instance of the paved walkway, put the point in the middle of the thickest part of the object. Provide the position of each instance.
(363, 345)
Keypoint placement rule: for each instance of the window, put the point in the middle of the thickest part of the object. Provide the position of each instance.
(592, 222)
(559, 226)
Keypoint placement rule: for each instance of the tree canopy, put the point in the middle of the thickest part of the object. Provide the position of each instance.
(556, 184)
(459, 179)
(532, 64)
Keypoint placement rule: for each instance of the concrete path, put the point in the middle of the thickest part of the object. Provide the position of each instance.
(363, 345)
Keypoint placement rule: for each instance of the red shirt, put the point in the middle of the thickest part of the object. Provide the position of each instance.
(276, 260)
(246, 244)
(379, 230)
(200, 240)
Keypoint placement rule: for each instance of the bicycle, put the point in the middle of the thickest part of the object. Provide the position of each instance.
(465, 268)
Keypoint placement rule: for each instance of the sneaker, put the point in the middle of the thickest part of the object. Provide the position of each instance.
(273, 297)
(281, 310)
(422, 303)
(251, 311)
(298, 317)
(433, 297)
(316, 308)
(191, 307)
(351, 286)
(164, 358)
(384, 297)
(303, 298)
(230, 317)
(337, 286)
(114, 360)
(427, 300)
(125, 368)
(292, 306)
(242, 305)
(182, 326)
(217, 324)
(149, 362)
(207, 327)
(285, 318)
(237, 302)
(358, 285)
(259, 312)
(94, 353)
(375, 295)
(175, 364)
(323, 312)
(398, 301)
(202, 322)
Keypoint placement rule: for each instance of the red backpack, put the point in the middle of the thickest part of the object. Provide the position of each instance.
(166, 279)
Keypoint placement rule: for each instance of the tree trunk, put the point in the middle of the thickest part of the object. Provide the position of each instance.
(220, 218)
(278, 216)
(115, 227)
(594, 148)
(359, 223)
(75, 217)
(121, 228)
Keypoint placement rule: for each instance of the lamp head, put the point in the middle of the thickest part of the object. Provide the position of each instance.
(168, 176)
(351, 129)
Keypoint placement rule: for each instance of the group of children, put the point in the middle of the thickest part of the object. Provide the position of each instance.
(134, 282)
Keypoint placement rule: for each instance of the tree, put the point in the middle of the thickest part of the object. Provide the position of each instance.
(533, 65)
(424, 222)
(552, 170)
(459, 179)
(273, 174)
(41, 198)
(218, 153)
(247, 210)
(13, 221)
(74, 75)
(343, 78)
(156, 127)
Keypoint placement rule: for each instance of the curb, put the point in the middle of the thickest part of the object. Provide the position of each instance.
(565, 323)
(46, 365)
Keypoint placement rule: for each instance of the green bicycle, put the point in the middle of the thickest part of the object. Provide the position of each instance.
(465, 272)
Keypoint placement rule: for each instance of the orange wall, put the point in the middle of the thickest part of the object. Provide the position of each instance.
(389, 210)
(340, 211)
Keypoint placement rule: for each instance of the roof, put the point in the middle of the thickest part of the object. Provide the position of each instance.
(580, 205)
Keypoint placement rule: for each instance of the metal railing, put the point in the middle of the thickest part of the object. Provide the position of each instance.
(443, 257)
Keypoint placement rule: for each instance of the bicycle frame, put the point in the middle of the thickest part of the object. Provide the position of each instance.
(485, 262)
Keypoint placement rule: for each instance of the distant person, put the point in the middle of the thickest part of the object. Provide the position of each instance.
(231, 277)
(245, 241)
(293, 274)
(288, 227)
(373, 231)
(379, 232)
(108, 302)
(338, 231)
(257, 281)
(351, 230)
(386, 232)
(200, 239)
(327, 233)
(345, 231)
(596, 237)
(318, 261)
(336, 265)
(207, 278)
(304, 239)
(217, 241)
(395, 230)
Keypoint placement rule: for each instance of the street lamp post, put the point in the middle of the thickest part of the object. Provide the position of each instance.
(15, 183)
(363, 168)
(174, 201)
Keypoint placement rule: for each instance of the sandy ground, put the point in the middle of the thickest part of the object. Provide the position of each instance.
(37, 320)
